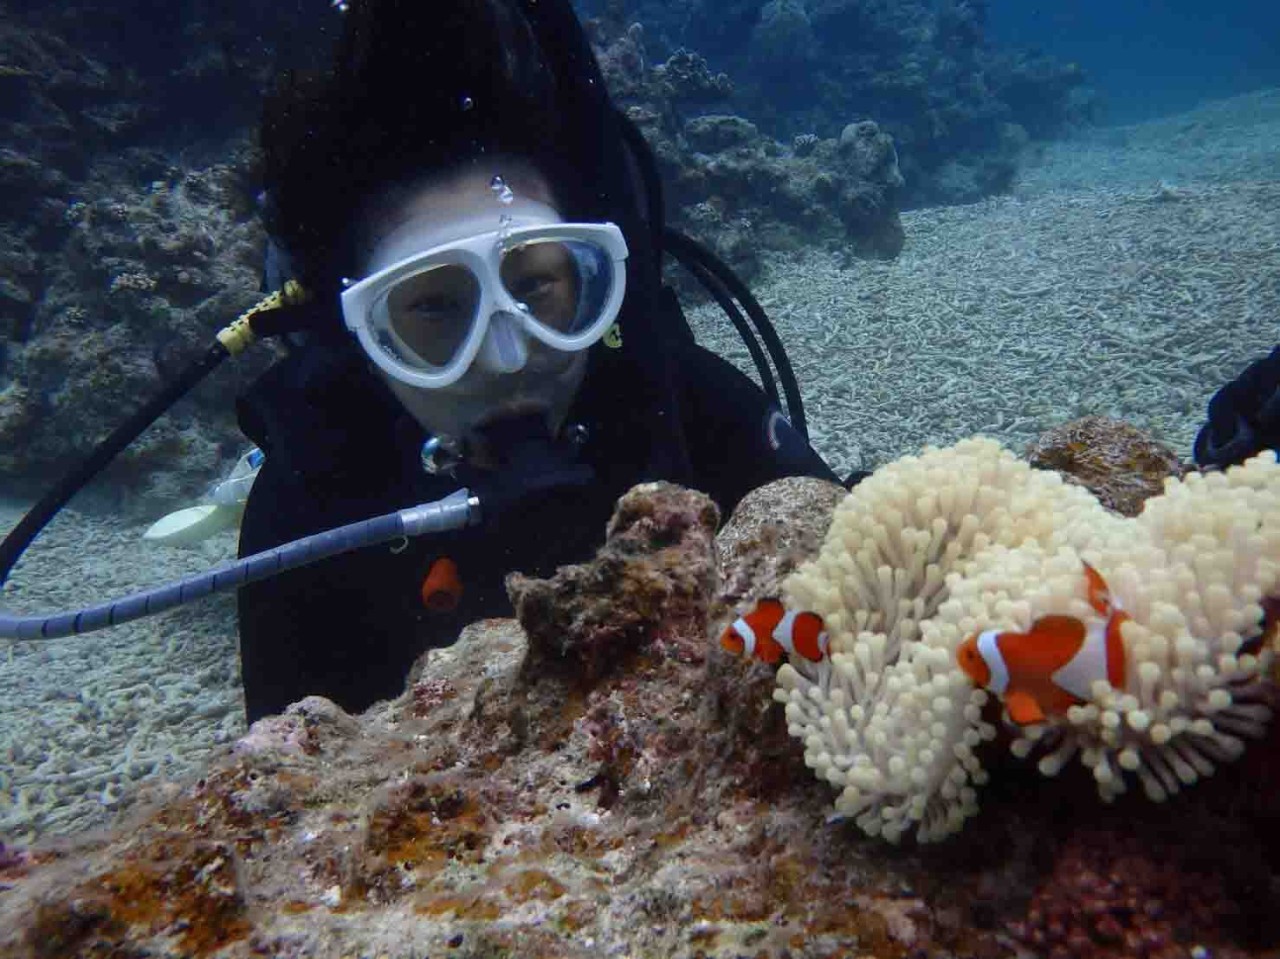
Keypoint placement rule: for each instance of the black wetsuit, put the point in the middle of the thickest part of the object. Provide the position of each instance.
(340, 449)
(1243, 416)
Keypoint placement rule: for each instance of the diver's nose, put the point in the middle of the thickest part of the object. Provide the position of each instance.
(506, 345)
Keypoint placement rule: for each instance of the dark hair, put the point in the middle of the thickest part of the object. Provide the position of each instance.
(420, 86)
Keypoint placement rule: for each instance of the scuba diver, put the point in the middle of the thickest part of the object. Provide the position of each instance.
(465, 265)
(480, 231)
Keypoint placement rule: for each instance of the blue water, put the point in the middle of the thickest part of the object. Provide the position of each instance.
(1151, 57)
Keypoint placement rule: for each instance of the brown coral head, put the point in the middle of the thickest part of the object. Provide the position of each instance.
(1118, 463)
(653, 516)
(655, 577)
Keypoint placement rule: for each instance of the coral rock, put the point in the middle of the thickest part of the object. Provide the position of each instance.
(579, 790)
(1118, 463)
(771, 532)
(657, 567)
(1114, 895)
(594, 787)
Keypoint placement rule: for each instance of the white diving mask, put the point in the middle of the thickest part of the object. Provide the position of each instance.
(424, 318)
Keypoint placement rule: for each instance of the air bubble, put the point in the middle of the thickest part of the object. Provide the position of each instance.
(501, 190)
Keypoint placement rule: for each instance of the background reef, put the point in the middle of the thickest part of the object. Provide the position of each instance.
(127, 193)
(959, 109)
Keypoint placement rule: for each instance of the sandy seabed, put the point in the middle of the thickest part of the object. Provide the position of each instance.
(1130, 273)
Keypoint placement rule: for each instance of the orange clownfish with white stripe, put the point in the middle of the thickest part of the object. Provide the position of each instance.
(770, 631)
(1053, 665)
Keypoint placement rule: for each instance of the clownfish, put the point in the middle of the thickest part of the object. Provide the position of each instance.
(771, 630)
(1054, 664)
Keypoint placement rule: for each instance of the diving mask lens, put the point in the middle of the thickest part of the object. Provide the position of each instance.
(430, 313)
(562, 284)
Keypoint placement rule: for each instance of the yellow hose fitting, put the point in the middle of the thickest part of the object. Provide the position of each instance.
(238, 336)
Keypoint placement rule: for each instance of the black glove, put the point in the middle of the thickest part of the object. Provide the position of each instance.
(1244, 416)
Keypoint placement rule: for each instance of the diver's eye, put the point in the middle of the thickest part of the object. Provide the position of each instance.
(445, 294)
(435, 309)
(541, 274)
(534, 286)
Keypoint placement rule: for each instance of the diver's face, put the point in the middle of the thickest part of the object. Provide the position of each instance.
(513, 374)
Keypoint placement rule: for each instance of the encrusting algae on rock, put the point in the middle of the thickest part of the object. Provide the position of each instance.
(593, 780)
(933, 549)
(601, 779)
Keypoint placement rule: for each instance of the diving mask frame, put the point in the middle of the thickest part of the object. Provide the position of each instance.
(364, 309)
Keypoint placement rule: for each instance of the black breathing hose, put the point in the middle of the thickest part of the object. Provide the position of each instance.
(280, 312)
(78, 476)
(687, 250)
(725, 301)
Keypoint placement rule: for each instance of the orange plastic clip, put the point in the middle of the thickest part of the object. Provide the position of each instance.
(442, 589)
